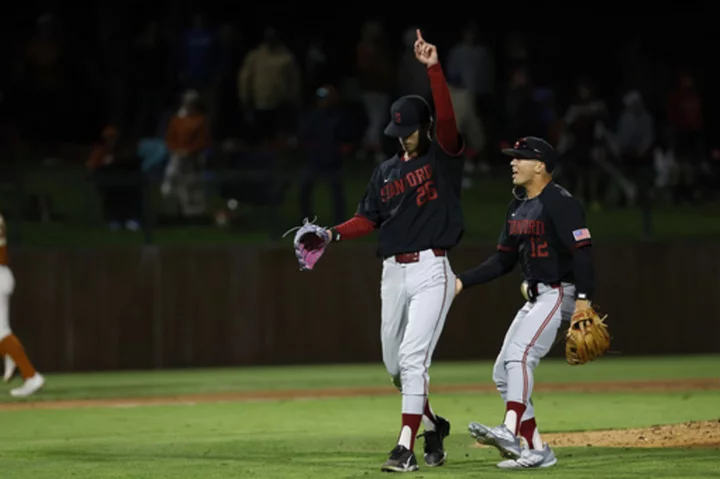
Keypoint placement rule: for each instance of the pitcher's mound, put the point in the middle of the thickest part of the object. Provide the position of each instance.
(689, 434)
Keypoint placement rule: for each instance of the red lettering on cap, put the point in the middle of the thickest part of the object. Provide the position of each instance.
(398, 118)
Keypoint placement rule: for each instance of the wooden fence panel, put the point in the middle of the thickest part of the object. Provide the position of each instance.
(196, 307)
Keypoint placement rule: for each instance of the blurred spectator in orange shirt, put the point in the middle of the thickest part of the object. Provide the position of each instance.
(187, 138)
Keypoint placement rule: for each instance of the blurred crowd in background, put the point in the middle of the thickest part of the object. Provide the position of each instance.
(180, 104)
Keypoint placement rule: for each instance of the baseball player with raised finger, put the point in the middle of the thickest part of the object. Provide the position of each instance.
(545, 231)
(413, 201)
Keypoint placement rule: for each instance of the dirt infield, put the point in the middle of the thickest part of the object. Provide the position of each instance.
(698, 434)
(285, 394)
(690, 434)
(694, 434)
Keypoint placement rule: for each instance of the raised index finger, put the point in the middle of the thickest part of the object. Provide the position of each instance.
(419, 35)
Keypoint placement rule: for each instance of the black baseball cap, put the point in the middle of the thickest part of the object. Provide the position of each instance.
(407, 114)
(533, 148)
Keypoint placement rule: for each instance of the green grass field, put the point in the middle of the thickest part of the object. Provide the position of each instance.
(337, 437)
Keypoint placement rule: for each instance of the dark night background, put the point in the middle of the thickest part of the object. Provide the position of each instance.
(123, 71)
(566, 43)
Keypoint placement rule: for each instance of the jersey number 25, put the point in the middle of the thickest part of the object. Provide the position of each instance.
(426, 192)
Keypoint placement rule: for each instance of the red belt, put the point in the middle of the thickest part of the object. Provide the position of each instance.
(405, 258)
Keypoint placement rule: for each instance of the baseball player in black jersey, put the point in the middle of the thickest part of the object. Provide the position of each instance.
(413, 200)
(545, 231)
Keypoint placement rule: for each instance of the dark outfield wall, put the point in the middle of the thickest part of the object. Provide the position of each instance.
(184, 307)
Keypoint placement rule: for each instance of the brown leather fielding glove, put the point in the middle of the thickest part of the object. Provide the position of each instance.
(587, 338)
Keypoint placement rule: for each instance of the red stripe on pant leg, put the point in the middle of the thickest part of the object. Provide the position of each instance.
(532, 343)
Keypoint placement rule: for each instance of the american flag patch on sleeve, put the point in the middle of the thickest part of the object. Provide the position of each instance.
(581, 234)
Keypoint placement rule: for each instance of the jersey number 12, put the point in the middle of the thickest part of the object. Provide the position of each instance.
(426, 192)
(538, 248)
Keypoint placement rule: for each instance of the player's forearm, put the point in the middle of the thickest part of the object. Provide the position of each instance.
(584, 273)
(355, 227)
(495, 266)
(445, 123)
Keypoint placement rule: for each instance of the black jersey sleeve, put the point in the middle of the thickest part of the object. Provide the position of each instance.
(568, 218)
(369, 206)
(499, 264)
(506, 242)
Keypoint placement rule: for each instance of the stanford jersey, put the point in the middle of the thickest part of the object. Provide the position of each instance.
(416, 203)
(548, 236)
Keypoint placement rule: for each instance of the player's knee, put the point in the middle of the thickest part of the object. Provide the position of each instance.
(412, 380)
(514, 358)
(522, 362)
(498, 373)
(411, 363)
(517, 351)
(500, 380)
(411, 370)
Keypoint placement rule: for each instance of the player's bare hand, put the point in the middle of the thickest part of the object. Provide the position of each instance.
(458, 286)
(425, 52)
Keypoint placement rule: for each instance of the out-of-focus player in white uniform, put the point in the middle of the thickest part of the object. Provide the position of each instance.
(10, 346)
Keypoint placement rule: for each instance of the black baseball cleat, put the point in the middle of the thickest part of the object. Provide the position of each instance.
(435, 454)
(401, 459)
